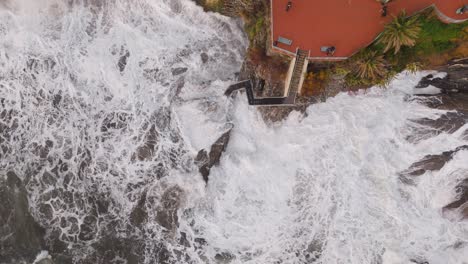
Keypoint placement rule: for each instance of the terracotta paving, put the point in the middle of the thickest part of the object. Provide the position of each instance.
(348, 25)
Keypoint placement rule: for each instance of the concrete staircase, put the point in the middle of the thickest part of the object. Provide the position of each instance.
(298, 72)
(292, 88)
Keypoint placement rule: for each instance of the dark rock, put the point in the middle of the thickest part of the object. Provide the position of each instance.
(202, 157)
(139, 214)
(314, 250)
(145, 152)
(200, 242)
(151, 74)
(110, 248)
(224, 257)
(206, 161)
(179, 84)
(48, 178)
(177, 71)
(45, 261)
(418, 261)
(431, 162)
(88, 228)
(204, 57)
(56, 100)
(56, 246)
(451, 101)
(462, 194)
(123, 61)
(446, 123)
(114, 121)
(21, 237)
(167, 212)
(183, 240)
(102, 204)
(63, 259)
(455, 81)
(46, 211)
(163, 255)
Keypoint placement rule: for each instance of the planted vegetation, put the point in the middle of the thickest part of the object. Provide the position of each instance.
(407, 43)
(410, 43)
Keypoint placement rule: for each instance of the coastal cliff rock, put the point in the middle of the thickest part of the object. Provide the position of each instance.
(454, 98)
(455, 81)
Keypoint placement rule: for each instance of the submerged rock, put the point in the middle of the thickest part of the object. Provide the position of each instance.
(224, 257)
(111, 249)
(204, 57)
(123, 61)
(21, 237)
(178, 71)
(146, 151)
(139, 214)
(167, 213)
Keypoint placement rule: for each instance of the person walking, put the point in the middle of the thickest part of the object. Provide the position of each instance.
(288, 6)
(462, 10)
(384, 10)
(384, 3)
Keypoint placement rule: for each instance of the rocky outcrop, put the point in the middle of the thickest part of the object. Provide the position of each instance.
(432, 162)
(447, 123)
(455, 81)
(21, 237)
(206, 160)
(462, 199)
(139, 214)
(453, 97)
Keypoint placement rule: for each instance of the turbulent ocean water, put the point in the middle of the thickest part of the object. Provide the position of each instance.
(104, 106)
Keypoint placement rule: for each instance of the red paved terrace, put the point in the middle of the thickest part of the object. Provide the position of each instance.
(349, 25)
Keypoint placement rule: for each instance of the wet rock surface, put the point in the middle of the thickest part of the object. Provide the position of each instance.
(112, 249)
(454, 98)
(167, 212)
(449, 122)
(204, 57)
(455, 81)
(123, 61)
(432, 162)
(21, 237)
(461, 202)
(206, 160)
(178, 71)
(139, 214)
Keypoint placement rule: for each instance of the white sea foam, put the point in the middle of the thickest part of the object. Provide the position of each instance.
(329, 181)
(322, 186)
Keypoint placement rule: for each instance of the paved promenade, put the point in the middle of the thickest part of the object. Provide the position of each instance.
(348, 25)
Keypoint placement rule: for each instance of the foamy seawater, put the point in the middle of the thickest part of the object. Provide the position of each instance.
(104, 106)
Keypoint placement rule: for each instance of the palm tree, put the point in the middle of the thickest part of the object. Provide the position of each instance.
(370, 65)
(402, 31)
